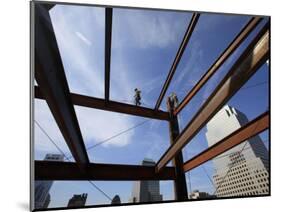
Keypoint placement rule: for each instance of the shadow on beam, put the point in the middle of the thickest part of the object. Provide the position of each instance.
(52, 170)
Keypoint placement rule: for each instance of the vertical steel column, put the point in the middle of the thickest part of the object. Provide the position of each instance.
(180, 188)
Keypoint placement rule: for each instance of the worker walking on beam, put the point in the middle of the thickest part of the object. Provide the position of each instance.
(137, 97)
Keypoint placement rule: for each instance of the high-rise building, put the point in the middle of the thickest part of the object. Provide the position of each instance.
(116, 200)
(242, 170)
(78, 200)
(146, 190)
(42, 188)
(196, 194)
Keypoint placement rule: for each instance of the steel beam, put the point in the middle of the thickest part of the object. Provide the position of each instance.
(52, 170)
(112, 106)
(177, 59)
(244, 133)
(249, 27)
(50, 76)
(180, 188)
(107, 51)
(247, 64)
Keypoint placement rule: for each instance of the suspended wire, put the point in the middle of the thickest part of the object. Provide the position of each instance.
(114, 136)
(50, 139)
(60, 150)
(208, 176)
(118, 134)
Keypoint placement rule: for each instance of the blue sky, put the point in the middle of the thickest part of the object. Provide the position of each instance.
(144, 43)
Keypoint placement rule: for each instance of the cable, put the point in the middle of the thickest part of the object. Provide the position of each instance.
(60, 150)
(208, 175)
(228, 171)
(53, 142)
(114, 136)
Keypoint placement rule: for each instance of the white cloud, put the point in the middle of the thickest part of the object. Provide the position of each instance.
(98, 125)
(146, 28)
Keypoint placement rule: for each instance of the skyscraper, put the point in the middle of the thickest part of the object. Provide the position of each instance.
(77, 200)
(42, 188)
(116, 200)
(242, 170)
(146, 190)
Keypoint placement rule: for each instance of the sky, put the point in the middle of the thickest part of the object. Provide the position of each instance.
(144, 44)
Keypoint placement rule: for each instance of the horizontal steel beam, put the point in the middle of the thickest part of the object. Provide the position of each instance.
(247, 64)
(107, 51)
(50, 76)
(112, 106)
(177, 59)
(244, 133)
(52, 170)
(250, 26)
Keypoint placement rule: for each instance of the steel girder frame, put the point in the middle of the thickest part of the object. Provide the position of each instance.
(107, 51)
(97, 103)
(177, 59)
(241, 36)
(244, 133)
(50, 76)
(247, 64)
(52, 170)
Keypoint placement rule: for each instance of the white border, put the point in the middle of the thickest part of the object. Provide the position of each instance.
(14, 87)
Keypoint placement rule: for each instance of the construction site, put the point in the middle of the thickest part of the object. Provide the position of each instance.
(242, 144)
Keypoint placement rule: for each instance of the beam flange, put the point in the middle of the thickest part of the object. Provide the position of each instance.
(50, 76)
(53, 170)
(244, 133)
(107, 51)
(97, 103)
(177, 59)
(247, 64)
(250, 26)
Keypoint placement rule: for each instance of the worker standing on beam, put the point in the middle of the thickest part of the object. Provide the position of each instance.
(137, 97)
(172, 101)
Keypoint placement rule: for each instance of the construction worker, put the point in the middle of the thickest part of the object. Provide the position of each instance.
(137, 97)
(175, 100)
(172, 102)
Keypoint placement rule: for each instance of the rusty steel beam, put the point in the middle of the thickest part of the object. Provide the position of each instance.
(53, 170)
(50, 76)
(107, 51)
(177, 59)
(244, 133)
(247, 29)
(112, 106)
(180, 188)
(247, 64)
